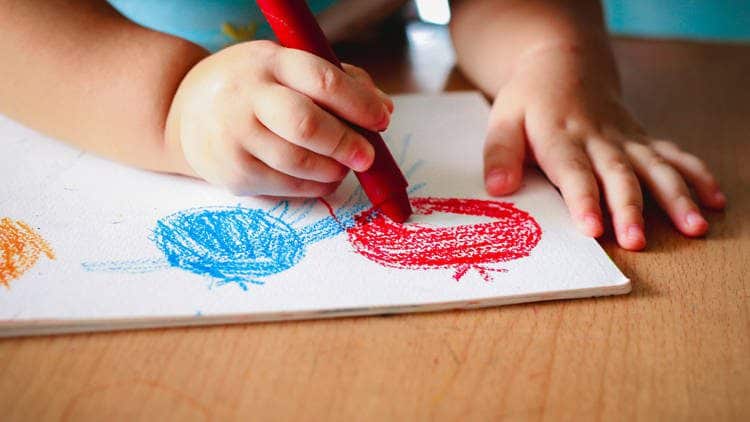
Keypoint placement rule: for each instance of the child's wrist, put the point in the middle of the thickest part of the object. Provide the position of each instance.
(587, 56)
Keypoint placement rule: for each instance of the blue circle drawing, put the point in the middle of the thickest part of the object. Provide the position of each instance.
(230, 244)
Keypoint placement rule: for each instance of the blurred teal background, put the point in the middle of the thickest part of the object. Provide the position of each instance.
(201, 20)
(720, 20)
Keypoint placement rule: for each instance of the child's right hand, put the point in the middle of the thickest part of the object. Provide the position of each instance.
(261, 119)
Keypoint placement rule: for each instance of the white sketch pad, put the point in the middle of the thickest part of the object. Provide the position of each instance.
(102, 221)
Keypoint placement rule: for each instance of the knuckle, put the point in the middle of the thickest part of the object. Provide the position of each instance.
(632, 147)
(631, 207)
(699, 165)
(498, 151)
(328, 80)
(589, 199)
(668, 145)
(352, 69)
(572, 125)
(301, 160)
(652, 160)
(493, 146)
(342, 147)
(576, 164)
(358, 74)
(567, 171)
(618, 164)
(681, 200)
(307, 126)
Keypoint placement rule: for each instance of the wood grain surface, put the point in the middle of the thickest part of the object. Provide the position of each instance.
(676, 348)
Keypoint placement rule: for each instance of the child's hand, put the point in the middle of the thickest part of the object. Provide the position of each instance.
(567, 116)
(261, 119)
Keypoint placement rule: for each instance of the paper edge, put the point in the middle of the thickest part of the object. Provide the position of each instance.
(52, 327)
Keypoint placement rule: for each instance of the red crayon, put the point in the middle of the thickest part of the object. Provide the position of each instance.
(296, 27)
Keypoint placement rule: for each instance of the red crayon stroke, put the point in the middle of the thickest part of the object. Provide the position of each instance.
(20, 248)
(512, 235)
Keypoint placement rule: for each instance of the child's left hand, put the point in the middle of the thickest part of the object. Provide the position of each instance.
(566, 115)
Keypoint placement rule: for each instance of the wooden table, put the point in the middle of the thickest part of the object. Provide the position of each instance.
(677, 347)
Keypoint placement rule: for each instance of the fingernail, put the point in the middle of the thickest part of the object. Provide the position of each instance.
(693, 219)
(385, 120)
(720, 198)
(634, 232)
(496, 178)
(386, 100)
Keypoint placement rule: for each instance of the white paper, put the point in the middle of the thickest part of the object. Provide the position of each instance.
(135, 249)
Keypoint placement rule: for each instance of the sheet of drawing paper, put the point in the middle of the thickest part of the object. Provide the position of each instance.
(88, 244)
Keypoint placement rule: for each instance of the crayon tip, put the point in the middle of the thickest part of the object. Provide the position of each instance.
(397, 207)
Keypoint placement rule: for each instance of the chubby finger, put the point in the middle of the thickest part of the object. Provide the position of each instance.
(332, 88)
(296, 118)
(668, 187)
(567, 166)
(292, 159)
(503, 156)
(622, 192)
(252, 177)
(695, 171)
(362, 76)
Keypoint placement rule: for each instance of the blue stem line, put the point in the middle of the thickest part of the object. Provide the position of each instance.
(284, 205)
(135, 266)
(303, 211)
(413, 189)
(414, 167)
(404, 148)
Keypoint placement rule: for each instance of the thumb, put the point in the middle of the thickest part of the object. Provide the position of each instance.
(503, 156)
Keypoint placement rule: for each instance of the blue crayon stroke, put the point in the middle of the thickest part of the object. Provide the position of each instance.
(414, 189)
(230, 244)
(302, 212)
(135, 266)
(242, 245)
(405, 144)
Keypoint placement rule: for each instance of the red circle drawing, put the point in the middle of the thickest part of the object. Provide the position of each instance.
(511, 235)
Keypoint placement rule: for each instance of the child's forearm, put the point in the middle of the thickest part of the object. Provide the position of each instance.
(81, 72)
(493, 38)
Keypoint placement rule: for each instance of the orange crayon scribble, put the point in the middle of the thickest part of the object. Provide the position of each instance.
(20, 248)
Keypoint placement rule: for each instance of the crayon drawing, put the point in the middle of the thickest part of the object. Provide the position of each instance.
(242, 245)
(20, 249)
(511, 234)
